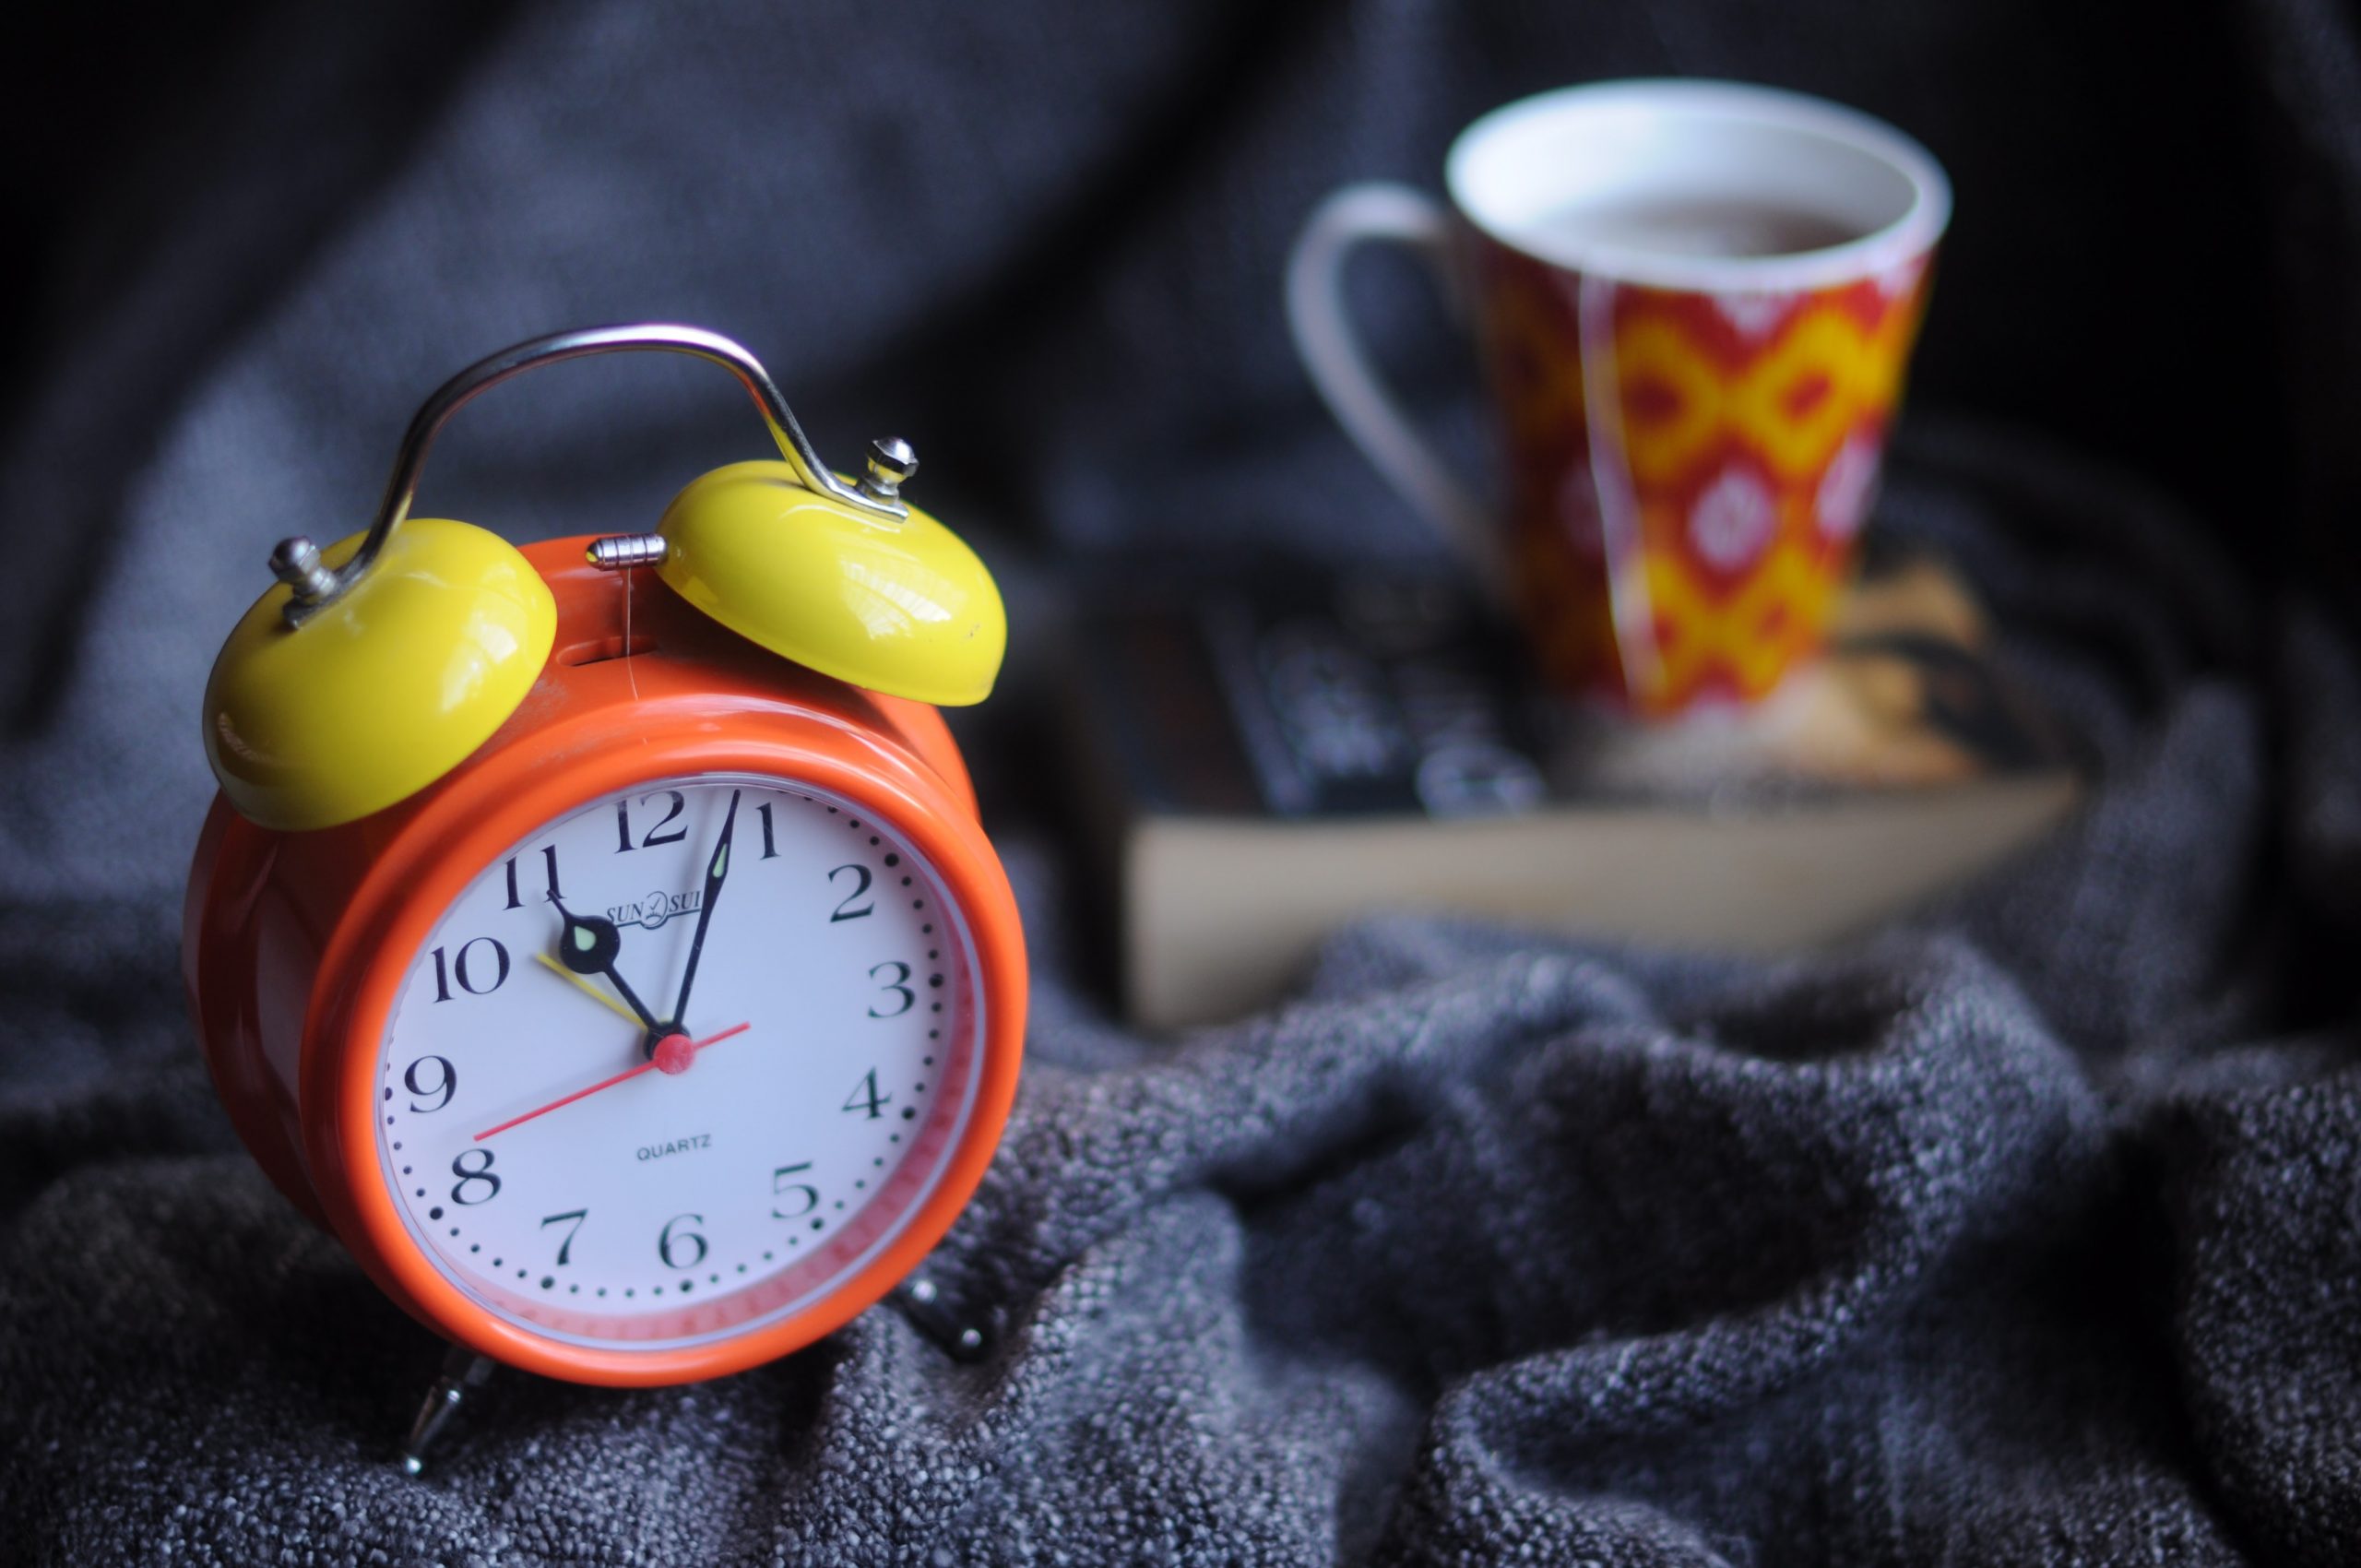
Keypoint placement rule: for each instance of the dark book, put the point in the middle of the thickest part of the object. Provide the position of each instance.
(1263, 764)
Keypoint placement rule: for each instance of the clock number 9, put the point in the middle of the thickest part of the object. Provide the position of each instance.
(446, 1083)
(781, 1186)
(468, 1177)
(667, 1241)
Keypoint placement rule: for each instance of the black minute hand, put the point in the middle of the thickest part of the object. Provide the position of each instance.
(587, 945)
(715, 869)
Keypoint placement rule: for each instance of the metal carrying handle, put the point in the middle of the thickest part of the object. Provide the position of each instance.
(316, 585)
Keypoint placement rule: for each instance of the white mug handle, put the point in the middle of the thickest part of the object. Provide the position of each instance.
(1380, 209)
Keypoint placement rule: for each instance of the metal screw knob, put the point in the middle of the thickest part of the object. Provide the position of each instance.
(620, 553)
(296, 562)
(892, 461)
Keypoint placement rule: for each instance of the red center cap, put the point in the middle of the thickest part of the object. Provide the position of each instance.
(673, 1053)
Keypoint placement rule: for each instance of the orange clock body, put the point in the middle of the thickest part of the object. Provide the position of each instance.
(295, 944)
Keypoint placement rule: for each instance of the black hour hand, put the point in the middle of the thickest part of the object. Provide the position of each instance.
(588, 944)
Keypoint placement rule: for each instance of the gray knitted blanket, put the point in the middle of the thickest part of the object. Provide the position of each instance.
(2027, 1232)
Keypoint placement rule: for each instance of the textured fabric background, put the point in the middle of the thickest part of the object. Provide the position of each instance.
(2028, 1233)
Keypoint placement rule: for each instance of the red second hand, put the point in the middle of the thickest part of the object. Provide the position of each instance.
(605, 1083)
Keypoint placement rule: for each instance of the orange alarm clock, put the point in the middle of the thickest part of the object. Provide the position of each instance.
(600, 938)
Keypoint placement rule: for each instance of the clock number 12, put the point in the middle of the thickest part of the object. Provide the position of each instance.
(655, 835)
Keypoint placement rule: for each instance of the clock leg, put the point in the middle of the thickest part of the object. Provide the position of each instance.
(462, 1369)
(922, 1303)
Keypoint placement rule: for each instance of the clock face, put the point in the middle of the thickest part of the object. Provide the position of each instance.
(681, 1064)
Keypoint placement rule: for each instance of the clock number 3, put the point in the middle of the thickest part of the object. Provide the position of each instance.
(898, 986)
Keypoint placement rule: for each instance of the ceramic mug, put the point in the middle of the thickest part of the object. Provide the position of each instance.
(1695, 301)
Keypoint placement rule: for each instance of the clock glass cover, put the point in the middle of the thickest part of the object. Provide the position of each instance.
(681, 1064)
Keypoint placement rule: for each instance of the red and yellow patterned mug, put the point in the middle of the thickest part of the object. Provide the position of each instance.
(1696, 299)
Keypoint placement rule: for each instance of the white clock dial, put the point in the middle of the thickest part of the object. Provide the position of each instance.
(604, 1182)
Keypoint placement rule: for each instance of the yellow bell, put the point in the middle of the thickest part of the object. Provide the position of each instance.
(386, 688)
(894, 605)
(378, 665)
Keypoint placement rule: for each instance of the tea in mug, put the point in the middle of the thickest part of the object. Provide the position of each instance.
(1701, 226)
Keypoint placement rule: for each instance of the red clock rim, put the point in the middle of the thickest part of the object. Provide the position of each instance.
(432, 859)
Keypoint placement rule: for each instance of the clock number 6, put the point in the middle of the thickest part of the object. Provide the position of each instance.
(667, 1241)
(898, 985)
(470, 1176)
(781, 1186)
